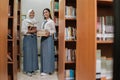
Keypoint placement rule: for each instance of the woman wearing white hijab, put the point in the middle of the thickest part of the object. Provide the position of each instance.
(29, 29)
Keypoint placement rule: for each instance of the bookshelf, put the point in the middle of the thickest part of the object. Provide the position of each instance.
(3, 39)
(55, 16)
(12, 40)
(18, 34)
(67, 40)
(105, 44)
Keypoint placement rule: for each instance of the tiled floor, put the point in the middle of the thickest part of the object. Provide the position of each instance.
(22, 76)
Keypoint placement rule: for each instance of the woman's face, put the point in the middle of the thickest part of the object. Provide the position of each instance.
(32, 14)
(46, 14)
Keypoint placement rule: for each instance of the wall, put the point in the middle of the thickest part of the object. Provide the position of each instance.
(38, 6)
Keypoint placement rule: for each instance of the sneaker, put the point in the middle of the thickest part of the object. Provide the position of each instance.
(29, 74)
(34, 72)
(43, 74)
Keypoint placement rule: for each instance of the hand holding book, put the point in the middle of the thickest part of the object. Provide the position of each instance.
(43, 32)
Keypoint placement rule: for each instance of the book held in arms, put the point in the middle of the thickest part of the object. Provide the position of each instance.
(70, 12)
(105, 28)
(70, 33)
(69, 74)
(42, 32)
(104, 67)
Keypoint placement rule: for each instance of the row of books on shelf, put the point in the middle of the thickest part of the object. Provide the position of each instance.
(56, 50)
(104, 66)
(70, 55)
(105, 28)
(70, 12)
(56, 20)
(9, 56)
(69, 74)
(55, 36)
(10, 34)
(10, 9)
(56, 6)
(70, 33)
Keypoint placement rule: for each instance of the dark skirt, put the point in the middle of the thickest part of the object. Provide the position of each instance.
(47, 55)
(30, 53)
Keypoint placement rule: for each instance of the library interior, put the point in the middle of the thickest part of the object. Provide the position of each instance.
(82, 33)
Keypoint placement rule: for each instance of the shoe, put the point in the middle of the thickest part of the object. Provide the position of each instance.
(34, 72)
(43, 74)
(50, 73)
(29, 74)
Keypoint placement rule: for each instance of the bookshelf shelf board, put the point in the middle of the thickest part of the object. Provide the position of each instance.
(55, 10)
(18, 24)
(19, 10)
(10, 17)
(70, 18)
(56, 25)
(105, 42)
(69, 62)
(70, 40)
(10, 39)
(105, 79)
(105, 1)
(18, 54)
(10, 62)
(18, 39)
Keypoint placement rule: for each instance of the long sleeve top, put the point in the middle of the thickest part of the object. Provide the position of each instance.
(49, 25)
(25, 24)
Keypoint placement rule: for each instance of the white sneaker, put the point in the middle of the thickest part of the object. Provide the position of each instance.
(29, 74)
(43, 74)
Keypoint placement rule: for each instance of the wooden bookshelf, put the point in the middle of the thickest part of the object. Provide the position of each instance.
(69, 62)
(8, 68)
(70, 18)
(64, 42)
(55, 16)
(12, 25)
(3, 39)
(10, 17)
(10, 62)
(105, 1)
(105, 42)
(18, 34)
(10, 39)
(105, 8)
(70, 40)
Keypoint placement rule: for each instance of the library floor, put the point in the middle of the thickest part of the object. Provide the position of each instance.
(22, 76)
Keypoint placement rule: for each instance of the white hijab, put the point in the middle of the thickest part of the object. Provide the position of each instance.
(30, 20)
